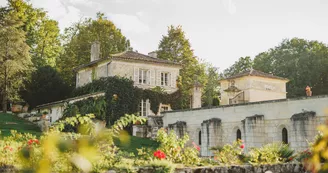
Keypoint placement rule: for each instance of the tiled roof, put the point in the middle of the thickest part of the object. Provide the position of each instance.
(131, 55)
(253, 72)
(128, 55)
(70, 99)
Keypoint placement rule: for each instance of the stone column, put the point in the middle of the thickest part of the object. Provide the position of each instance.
(254, 131)
(180, 128)
(211, 135)
(303, 129)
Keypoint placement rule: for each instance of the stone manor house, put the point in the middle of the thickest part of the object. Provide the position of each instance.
(253, 107)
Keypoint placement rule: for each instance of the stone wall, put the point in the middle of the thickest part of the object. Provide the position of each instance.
(279, 168)
(259, 123)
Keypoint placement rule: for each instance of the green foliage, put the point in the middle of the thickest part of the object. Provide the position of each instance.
(304, 156)
(45, 86)
(161, 166)
(211, 90)
(176, 47)
(42, 33)
(97, 106)
(243, 64)
(78, 39)
(175, 148)
(229, 154)
(270, 154)
(123, 98)
(15, 61)
(303, 62)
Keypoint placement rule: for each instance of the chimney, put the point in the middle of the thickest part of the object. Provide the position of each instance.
(95, 51)
(153, 54)
(196, 96)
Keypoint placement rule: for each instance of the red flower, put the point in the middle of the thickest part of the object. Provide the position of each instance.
(242, 146)
(291, 158)
(8, 148)
(159, 154)
(30, 142)
(196, 146)
(36, 141)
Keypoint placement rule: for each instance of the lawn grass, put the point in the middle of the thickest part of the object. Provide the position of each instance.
(12, 122)
(136, 142)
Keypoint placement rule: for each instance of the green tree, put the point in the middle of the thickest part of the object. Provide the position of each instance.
(211, 89)
(42, 33)
(243, 64)
(15, 61)
(78, 39)
(303, 62)
(176, 47)
(45, 86)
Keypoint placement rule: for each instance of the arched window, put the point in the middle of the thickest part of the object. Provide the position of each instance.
(284, 136)
(238, 134)
(200, 138)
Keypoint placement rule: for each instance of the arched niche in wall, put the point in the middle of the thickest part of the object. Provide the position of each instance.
(238, 135)
(284, 134)
(200, 137)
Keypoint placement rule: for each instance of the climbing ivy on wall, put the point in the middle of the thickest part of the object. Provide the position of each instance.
(124, 98)
(96, 106)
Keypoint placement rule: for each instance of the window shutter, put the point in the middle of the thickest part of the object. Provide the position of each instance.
(172, 79)
(136, 75)
(148, 77)
(152, 77)
(158, 78)
(147, 107)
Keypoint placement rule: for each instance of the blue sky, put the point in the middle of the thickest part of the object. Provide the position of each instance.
(220, 31)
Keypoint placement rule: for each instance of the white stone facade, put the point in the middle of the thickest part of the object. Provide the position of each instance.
(252, 88)
(145, 75)
(259, 123)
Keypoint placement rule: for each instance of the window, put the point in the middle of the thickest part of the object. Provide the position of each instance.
(238, 135)
(164, 79)
(164, 108)
(143, 108)
(284, 136)
(143, 77)
(200, 138)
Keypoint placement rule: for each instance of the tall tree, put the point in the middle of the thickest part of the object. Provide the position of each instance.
(45, 86)
(78, 39)
(176, 47)
(243, 64)
(14, 55)
(42, 33)
(303, 62)
(211, 89)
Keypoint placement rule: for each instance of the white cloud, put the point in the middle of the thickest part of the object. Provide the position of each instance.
(59, 10)
(3, 3)
(230, 6)
(129, 23)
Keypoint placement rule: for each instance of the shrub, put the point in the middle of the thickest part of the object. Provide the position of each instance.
(270, 154)
(229, 154)
(175, 149)
(92, 149)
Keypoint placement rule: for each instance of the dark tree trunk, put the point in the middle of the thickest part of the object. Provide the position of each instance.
(4, 93)
(4, 103)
